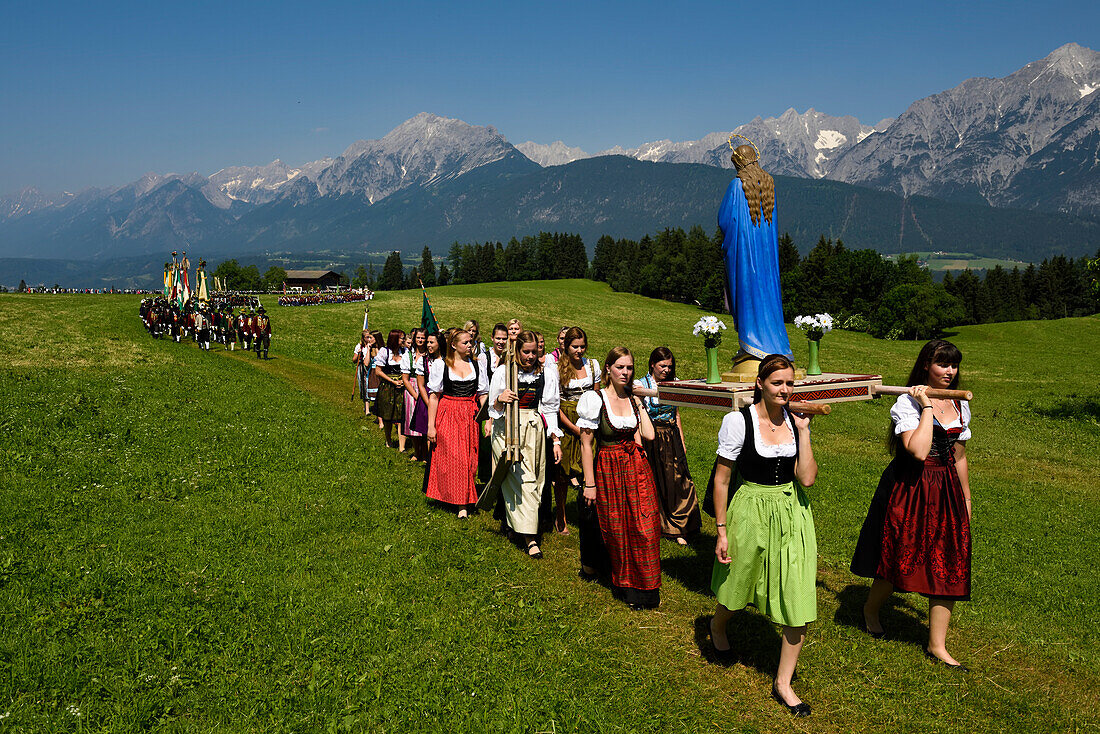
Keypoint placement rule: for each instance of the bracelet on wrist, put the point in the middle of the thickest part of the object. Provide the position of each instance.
(925, 407)
(721, 525)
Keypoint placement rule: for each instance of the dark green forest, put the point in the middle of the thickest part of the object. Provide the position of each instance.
(860, 288)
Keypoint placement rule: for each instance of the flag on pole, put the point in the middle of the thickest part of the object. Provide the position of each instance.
(369, 294)
(200, 281)
(427, 315)
(167, 280)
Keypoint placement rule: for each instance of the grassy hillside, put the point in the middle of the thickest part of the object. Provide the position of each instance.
(196, 541)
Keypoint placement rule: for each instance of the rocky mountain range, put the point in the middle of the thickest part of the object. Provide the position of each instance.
(1030, 140)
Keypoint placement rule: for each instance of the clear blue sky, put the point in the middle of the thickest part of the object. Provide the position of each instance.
(96, 94)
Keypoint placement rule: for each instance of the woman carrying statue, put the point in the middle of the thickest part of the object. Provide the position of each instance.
(362, 358)
(766, 554)
(917, 533)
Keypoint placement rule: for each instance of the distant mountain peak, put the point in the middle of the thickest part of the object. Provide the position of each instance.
(421, 151)
(556, 153)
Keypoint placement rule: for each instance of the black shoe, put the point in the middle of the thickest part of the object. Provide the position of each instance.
(940, 661)
(537, 555)
(799, 710)
(590, 577)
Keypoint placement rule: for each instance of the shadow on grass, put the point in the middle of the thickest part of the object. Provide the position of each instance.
(1074, 407)
(902, 621)
(754, 641)
(693, 571)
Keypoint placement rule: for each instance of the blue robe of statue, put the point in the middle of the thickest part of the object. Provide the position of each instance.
(751, 253)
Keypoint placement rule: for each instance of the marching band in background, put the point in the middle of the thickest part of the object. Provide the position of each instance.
(210, 323)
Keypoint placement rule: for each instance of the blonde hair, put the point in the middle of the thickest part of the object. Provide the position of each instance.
(477, 342)
(758, 186)
(614, 356)
(453, 336)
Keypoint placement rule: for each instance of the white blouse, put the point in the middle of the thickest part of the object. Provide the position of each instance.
(588, 413)
(382, 358)
(589, 380)
(412, 363)
(548, 406)
(360, 349)
(731, 437)
(906, 416)
(435, 378)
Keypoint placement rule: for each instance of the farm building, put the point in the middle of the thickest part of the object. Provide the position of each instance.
(308, 280)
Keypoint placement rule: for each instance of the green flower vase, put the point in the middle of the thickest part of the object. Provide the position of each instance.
(814, 368)
(713, 377)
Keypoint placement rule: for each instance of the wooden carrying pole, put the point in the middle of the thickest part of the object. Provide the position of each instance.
(930, 392)
(796, 406)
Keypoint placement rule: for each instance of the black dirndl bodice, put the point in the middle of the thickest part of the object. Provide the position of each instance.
(459, 388)
(769, 471)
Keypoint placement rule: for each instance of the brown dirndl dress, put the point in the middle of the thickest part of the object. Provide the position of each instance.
(390, 404)
(630, 518)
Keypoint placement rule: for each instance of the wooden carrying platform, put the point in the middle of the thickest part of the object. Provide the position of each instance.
(829, 387)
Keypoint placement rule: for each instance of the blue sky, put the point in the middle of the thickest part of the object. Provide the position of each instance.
(96, 94)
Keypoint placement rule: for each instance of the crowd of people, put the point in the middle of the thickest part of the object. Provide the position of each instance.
(208, 323)
(443, 397)
(316, 299)
(235, 299)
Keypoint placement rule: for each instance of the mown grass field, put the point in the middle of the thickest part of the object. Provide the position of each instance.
(964, 260)
(196, 542)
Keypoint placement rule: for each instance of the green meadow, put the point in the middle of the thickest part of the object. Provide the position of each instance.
(210, 542)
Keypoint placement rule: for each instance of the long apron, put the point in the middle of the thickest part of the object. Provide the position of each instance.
(526, 479)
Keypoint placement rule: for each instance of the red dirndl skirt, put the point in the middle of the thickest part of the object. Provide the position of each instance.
(630, 516)
(454, 458)
(917, 531)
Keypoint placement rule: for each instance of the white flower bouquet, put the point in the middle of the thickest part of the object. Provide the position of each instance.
(815, 326)
(711, 329)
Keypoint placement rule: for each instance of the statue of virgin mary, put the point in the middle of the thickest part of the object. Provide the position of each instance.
(750, 246)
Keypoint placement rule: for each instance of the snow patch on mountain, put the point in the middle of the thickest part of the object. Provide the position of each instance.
(829, 139)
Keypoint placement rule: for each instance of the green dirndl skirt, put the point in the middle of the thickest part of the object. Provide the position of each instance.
(773, 554)
(570, 466)
(390, 403)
